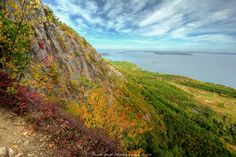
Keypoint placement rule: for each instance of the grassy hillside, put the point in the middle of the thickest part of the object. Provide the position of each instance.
(197, 119)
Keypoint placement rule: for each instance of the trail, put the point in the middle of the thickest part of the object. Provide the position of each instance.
(19, 139)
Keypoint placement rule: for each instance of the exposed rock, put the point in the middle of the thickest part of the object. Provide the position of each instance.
(2, 151)
(26, 143)
(19, 155)
(73, 56)
(115, 71)
(70, 50)
(6, 152)
(31, 155)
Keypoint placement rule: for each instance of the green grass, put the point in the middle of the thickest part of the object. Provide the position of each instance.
(183, 124)
(219, 89)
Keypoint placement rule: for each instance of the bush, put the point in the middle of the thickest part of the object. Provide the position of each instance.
(70, 135)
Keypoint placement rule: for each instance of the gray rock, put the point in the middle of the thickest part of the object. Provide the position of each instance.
(31, 155)
(26, 143)
(2, 151)
(6, 152)
(19, 155)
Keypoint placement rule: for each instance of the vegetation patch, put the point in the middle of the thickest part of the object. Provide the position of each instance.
(189, 128)
(70, 136)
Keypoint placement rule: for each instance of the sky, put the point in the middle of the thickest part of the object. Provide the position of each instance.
(173, 25)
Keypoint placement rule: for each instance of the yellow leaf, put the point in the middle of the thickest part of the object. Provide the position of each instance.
(13, 4)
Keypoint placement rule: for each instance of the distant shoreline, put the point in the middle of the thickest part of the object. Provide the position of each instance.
(207, 67)
(108, 52)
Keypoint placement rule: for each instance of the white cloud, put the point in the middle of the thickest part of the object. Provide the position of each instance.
(126, 30)
(180, 32)
(165, 11)
(208, 20)
(159, 30)
(217, 38)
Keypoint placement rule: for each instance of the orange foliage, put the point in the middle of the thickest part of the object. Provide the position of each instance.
(46, 76)
(137, 153)
(102, 110)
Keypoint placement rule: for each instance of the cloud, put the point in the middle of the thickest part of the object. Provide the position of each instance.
(179, 20)
(163, 12)
(163, 28)
(217, 38)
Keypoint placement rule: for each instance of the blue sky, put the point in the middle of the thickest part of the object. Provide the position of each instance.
(190, 25)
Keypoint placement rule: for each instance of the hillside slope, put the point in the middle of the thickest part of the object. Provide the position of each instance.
(58, 81)
(198, 119)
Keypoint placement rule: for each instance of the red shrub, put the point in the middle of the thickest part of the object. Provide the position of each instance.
(70, 135)
(41, 44)
(6, 99)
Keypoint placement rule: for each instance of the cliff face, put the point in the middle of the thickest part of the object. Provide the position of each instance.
(60, 55)
(147, 112)
(72, 54)
(68, 49)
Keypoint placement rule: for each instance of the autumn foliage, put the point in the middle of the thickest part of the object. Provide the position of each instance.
(70, 136)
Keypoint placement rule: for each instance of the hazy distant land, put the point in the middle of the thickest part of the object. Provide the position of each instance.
(205, 66)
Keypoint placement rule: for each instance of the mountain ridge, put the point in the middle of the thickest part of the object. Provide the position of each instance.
(69, 91)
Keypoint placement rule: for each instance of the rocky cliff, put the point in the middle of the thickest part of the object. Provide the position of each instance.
(58, 50)
(51, 74)
(68, 49)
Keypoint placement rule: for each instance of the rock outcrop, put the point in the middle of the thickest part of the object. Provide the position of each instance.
(57, 44)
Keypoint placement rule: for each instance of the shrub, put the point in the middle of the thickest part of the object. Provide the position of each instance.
(70, 135)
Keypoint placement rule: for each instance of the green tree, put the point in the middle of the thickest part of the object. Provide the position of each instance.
(16, 33)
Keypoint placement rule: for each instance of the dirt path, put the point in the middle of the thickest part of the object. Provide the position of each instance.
(18, 138)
